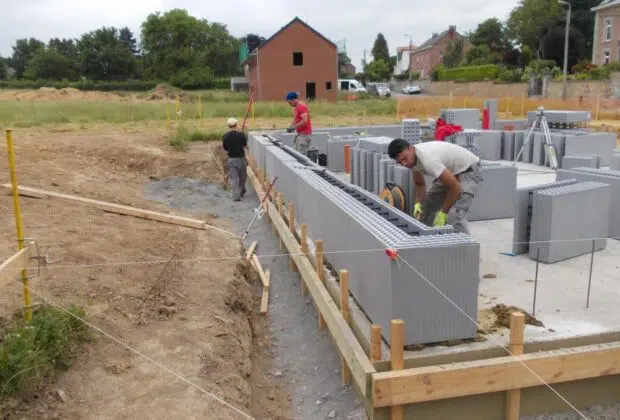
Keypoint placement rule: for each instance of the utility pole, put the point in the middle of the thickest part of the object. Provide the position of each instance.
(565, 72)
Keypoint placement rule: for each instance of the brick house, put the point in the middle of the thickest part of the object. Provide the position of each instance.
(296, 58)
(429, 55)
(606, 38)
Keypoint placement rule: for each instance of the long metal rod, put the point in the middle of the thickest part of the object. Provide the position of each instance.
(18, 219)
(590, 278)
(536, 281)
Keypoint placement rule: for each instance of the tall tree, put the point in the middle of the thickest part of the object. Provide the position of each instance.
(66, 47)
(127, 39)
(378, 70)
(253, 41)
(49, 64)
(582, 19)
(175, 44)
(343, 62)
(453, 55)
(530, 21)
(553, 46)
(3, 69)
(23, 50)
(103, 56)
(489, 33)
(380, 50)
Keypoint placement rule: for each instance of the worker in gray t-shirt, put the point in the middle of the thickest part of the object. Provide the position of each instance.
(456, 178)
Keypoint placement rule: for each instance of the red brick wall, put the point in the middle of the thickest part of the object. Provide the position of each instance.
(276, 72)
(426, 61)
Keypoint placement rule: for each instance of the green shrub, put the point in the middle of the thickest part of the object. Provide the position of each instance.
(510, 75)
(599, 73)
(31, 352)
(469, 73)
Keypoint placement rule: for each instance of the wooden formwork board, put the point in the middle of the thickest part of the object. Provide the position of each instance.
(467, 384)
(12, 266)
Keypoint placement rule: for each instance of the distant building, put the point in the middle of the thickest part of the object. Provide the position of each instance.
(296, 58)
(429, 55)
(402, 59)
(348, 70)
(605, 42)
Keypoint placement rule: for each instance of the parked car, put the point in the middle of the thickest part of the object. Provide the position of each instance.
(379, 89)
(412, 89)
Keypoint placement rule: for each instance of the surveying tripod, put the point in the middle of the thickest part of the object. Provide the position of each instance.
(541, 122)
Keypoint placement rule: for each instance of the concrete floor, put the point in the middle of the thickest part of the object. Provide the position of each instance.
(562, 287)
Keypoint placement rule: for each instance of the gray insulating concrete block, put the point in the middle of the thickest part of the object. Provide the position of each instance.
(614, 160)
(519, 139)
(492, 106)
(402, 178)
(523, 213)
(375, 144)
(376, 167)
(335, 151)
(496, 194)
(570, 162)
(468, 118)
(383, 173)
(363, 169)
(598, 144)
(508, 145)
(370, 178)
(538, 149)
(561, 117)
(605, 176)
(355, 165)
(411, 130)
(566, 219)
(490, 144)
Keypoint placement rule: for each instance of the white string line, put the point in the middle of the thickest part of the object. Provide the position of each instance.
(139, 353)
(264, 256)
(493, 338)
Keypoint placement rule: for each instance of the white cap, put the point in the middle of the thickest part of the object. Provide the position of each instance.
(231, 122)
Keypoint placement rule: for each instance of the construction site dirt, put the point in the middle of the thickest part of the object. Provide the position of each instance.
(186, 299)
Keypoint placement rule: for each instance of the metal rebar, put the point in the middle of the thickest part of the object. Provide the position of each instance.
(590, 278)
(536, 281)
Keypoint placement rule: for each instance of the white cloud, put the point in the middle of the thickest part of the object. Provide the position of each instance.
(356, 23)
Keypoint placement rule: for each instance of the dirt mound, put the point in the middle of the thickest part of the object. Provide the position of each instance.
(498, 317)
(165, 92)
(53, 94)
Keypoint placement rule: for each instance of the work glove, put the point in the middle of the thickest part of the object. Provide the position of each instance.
(291, 129)
(440, 219)
(417, 211)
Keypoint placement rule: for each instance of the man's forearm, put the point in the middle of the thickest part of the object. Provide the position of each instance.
(420, 193)
(451, 197)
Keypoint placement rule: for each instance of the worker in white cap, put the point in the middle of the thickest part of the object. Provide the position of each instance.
(235, 142)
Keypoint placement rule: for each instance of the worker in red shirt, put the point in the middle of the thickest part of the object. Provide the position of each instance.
(301, 123)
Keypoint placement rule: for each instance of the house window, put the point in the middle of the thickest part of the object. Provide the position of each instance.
(608, 29)
(328, 85)
(606, 56)
(298, 59)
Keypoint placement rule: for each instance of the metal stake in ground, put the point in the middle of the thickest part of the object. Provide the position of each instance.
(536, 281)
(259, 211)
(590, 278)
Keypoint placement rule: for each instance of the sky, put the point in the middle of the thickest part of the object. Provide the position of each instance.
(356, 22)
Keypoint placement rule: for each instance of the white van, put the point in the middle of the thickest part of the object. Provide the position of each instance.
(350, 85)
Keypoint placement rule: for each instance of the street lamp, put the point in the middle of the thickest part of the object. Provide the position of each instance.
(409, 56)
(568, 13)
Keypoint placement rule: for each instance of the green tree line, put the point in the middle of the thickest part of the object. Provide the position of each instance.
(175, 47)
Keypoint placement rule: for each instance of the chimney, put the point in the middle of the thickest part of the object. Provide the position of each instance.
(452, 32)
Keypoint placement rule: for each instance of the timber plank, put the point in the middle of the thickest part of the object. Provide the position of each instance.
(15, 263)
(494, 375)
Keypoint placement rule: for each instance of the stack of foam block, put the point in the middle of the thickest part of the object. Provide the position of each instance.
(567, 219)
(561, 119)
(468, 139)
(558, 218)
(491, 106)
(412, 131)
(583, 161)
(602, 176)
(357, 228)
(465, 117)
(335, 150)
(614, 162)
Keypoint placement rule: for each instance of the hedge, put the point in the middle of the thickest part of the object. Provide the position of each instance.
(125, 85)
(469, 73)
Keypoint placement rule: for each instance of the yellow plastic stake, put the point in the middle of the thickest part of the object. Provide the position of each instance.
(522, 105)
(450, 107)
(18, 219)
(200, 107)
(465, 102)
(167, 116)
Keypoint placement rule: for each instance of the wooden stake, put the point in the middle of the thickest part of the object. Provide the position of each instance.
(397, 359)
(375, 343)
(345, 310)
(251, 250)
(513, 396)
(264, 302)
(304, 248)
(291, 226)
(320, 270)
(281, 213)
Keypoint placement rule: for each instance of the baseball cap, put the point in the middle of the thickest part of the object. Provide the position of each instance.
(231, 122)
(292, 95)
